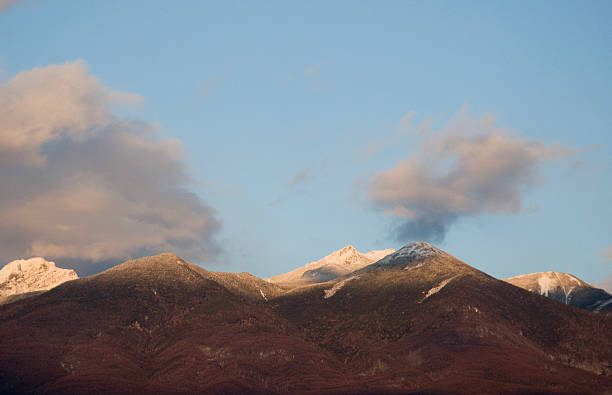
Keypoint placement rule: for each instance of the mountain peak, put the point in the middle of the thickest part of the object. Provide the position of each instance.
(545, 282)
(340, 262)
(348, 249)
(30, 275)
(565, 288)
(412, 252)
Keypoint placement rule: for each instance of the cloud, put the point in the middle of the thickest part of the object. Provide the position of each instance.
(468, 168)
(607, 254)
(315, 74)
(405, 123)
(6, 4)
(45, 104)
(300, 178)
(80, 184)
(404, 128)
(313, 71)
(208, 88)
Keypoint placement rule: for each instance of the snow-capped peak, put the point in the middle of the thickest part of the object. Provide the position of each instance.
(346, 256)
(340, 262)
(29, 275)
(560, 286)
(415, 251)
(545, 282)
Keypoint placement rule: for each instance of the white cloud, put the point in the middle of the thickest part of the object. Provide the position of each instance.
(470, 167)
(78, 183)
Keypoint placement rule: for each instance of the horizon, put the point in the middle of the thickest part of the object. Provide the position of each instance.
(261, 137)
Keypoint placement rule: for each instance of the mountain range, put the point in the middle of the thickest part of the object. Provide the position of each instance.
(417, 320)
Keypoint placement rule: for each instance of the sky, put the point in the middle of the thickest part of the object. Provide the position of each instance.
(259, 136)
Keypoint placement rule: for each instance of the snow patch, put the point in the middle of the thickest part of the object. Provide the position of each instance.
(437, 289)
(332, 291)
(567, 295)
(544, 283)
(263, 295)
(414, 251)
(408, 267)
(604, 304)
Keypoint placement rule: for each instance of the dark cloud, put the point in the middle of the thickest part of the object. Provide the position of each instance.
(430, 229)
(471, 167)
(82, 186)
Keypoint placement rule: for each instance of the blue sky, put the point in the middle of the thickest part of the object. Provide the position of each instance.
(288, 110)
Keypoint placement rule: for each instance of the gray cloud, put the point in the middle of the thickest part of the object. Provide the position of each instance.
(432, 229)
(470, 167)
(78, 184)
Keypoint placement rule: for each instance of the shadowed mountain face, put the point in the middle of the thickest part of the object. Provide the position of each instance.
(565, 288)
(420, 320)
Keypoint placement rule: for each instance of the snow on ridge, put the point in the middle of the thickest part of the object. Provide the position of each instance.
(438, 288)
(604, 304)
(332, 291)
(34, 274)
(346, 260)
(414, 251)
(549, 283)
(552, 278)
(545, 284)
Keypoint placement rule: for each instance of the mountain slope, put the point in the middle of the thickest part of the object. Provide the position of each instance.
(338, 263)
(565, 288)
(420, 319)
(27, 277)
(155, 324)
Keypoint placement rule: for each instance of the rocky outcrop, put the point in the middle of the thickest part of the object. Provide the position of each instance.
(25, 277)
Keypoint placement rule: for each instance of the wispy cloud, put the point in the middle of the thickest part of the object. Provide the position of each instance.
(302, 177)
(86, 185)
(470, 167)
(313, 71)
(403, 128)
(315, 74)
(209, 87)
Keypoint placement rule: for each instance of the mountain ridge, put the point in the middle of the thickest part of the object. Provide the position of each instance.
(565, 288)
(338, 263)
(420, 321)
